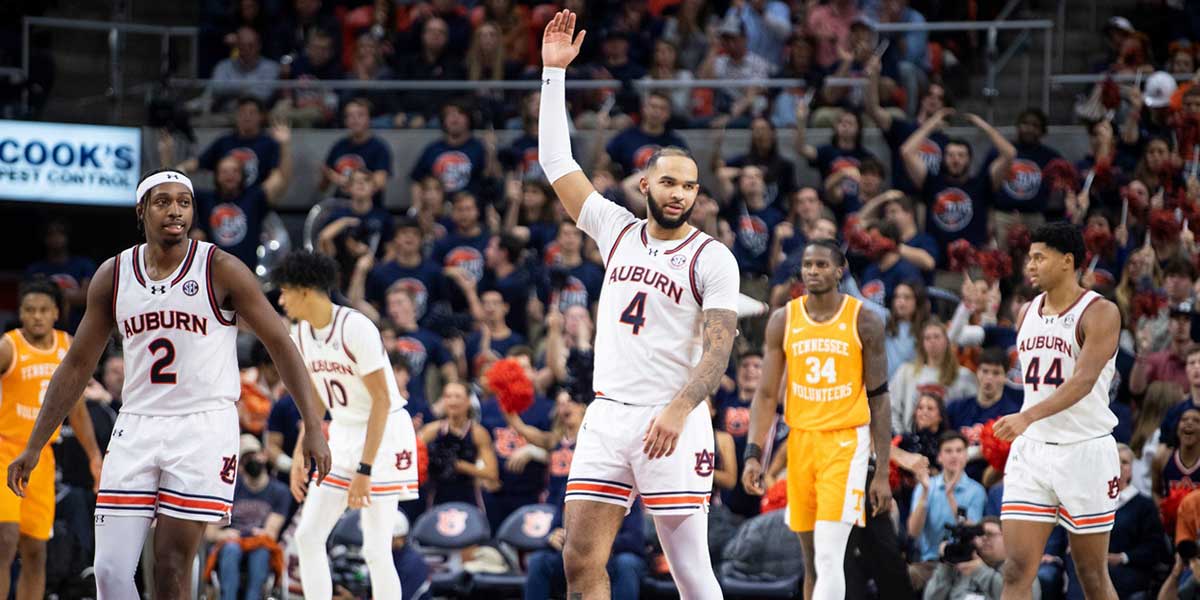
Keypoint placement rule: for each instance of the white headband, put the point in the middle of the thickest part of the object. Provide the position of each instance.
(148, 183)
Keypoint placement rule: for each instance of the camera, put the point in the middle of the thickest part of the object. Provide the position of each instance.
(961, 546)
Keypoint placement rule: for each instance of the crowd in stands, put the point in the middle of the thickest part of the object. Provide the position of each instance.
(484, 265)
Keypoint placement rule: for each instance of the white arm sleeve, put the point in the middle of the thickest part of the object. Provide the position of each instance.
(718, 277)
(363, 341)
(603, 220)
(554, 139)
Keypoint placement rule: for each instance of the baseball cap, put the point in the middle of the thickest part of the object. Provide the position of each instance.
(1119, 23)
(1159, 88)
(249, 443)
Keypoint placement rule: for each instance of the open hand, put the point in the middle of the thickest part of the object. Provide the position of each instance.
(1008, 427)
(560, 46)
(664, 432)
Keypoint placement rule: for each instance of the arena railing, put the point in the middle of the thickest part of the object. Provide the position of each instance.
(995, 63)
(116, 31)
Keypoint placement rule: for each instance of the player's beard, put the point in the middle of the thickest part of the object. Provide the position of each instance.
(662, 220)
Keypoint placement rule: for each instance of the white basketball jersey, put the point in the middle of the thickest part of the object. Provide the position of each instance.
(649, 320)
(180, 347)
(338, 355)
(1048, 347)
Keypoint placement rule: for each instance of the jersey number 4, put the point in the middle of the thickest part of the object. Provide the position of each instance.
(158, 370)
(634, 314)
(1053, 376)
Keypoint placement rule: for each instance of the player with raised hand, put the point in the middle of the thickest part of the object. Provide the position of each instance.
(666, 322)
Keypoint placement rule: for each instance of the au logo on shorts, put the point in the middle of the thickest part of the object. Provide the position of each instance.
(704, 463)
(229, 469)
(403, 459)
(1114, 488)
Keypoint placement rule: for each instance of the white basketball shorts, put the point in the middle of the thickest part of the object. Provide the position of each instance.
(1074, 485)
(394, 470)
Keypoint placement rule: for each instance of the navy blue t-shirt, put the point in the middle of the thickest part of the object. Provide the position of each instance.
(830, 158)
(455, 250)
(928, 244)
(965, 414)
(633, 147)
(499, 347)
(285, 419)
(346, 157)
(233, 224)
(559, 470)
(506, 440)
(423, 281)
(251, 509)
(582, 288)
(457, 167)
(421, 348)
(753, 231)
(516, 288)
(957, 210)
(1023, 189)
(258, 155)
(67, 275)
(877, 285)
(376, 221)
(522, 156)
(931, 152)
(733, 417)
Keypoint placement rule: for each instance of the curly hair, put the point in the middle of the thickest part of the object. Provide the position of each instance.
(304, 269)
(1063, 237)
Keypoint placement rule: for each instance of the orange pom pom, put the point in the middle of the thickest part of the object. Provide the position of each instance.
(776, 496)
(995, 450)
(422, 462)
(513, 389)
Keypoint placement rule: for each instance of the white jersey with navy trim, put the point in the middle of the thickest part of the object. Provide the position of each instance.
(1048, 348)
(650, 315)
(180, 347)
(337, 357)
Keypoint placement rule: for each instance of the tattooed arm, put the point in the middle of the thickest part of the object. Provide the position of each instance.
(875, 377)
(720, 327)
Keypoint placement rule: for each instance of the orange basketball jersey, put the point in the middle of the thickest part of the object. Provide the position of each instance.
(824, 369)
(23, 385)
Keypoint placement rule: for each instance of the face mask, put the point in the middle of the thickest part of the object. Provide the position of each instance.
(254, 468)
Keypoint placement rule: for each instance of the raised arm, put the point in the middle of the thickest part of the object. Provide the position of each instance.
(875, 379)
(803, 148)
(71, 376)
(243, 293)
(765, 403)
(277, 182)
(1005, 151)
(882, 118)
(1099, 345)
(910, 150)
(560, 46)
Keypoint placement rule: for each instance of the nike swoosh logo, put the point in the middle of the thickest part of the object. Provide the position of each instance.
(845, 444)
(797, 330)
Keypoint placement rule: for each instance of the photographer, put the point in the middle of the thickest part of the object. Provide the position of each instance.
(980, 574)
(1185, 557)
(939, 503)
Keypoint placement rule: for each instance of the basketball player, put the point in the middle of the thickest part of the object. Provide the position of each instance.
(1064, 467)
(371, 436)
(830, 353)
(28, 357)
(665, 326)
(173, 452)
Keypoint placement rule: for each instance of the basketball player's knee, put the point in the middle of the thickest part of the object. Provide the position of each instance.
(1092, 573)
(376, 550)
(828, 563)
(582, 557)
(9, 537)
(1019, 571)
(308, 536)
(109, 574)
(33, 553)
(171, 567)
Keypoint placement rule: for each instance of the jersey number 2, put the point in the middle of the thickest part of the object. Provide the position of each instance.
(158, 371)
(634, 314)
(1053, 376)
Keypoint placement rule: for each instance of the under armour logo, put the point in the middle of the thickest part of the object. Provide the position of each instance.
(119, 432)
(653, 252)
(158, 289)
(172, 176)
(99, 519)
(547, 82)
